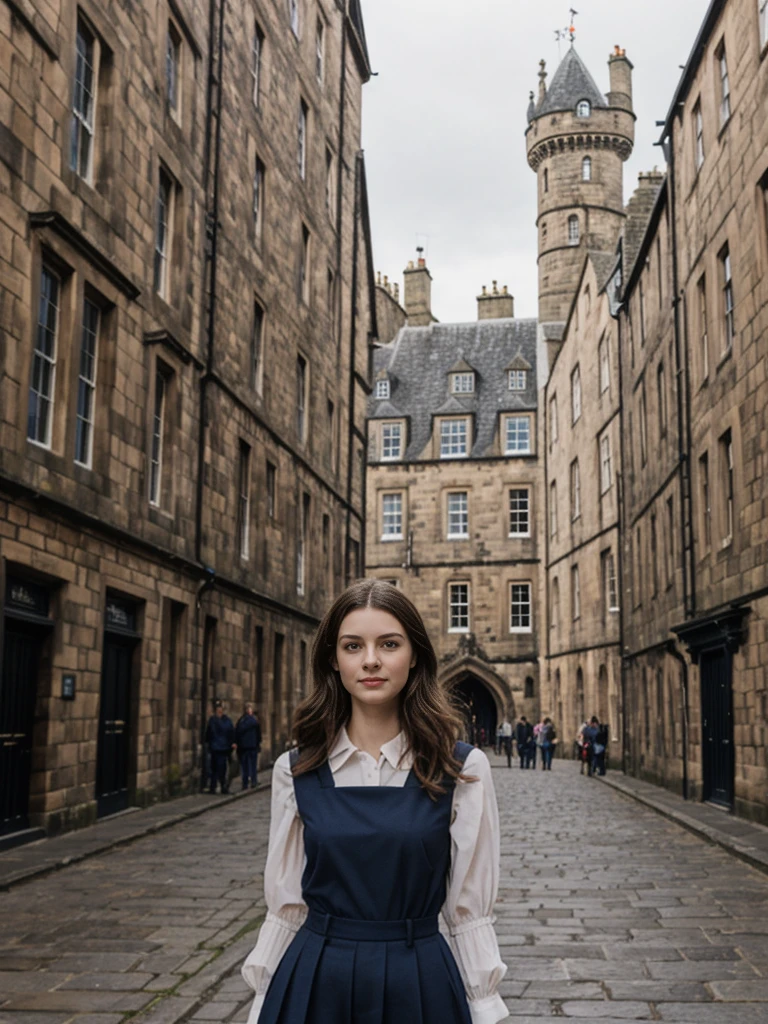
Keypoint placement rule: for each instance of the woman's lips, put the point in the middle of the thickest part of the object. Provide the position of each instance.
(372, 681)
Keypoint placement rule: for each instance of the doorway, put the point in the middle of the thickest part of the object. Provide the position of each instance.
(717, 726)
(479, 709)
(114, 754)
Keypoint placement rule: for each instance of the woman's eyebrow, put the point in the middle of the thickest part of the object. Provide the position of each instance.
(384, 636)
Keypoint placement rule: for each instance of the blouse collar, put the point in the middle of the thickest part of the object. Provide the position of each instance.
(393, 751)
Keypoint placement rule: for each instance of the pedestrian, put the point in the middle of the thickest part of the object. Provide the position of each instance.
(506, 740)
(582, 747)
(380, 821)
(590, 738)
(499, 745)
(535, 743)
(248, 738)
(546, 742)
(523, 736)
(220, 739)
(599, 748)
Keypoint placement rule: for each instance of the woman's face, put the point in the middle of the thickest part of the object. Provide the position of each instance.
(373, 656)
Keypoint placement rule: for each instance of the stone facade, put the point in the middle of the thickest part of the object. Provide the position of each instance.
(186, 306)
(459, 531)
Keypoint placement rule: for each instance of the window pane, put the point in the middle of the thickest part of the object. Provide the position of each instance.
(391, 441)
(458, 514)
(453, 438)
(392, 515)
(520, 608)
(518, 435)
(459, 607)
(519, 513)
(82, 105)
(44, 361)
(86, 383)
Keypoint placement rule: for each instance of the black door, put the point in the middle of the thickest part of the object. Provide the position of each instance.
(114, 725)
(18, 692)
(717, 726)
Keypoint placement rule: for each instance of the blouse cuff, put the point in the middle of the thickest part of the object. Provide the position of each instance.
(275, 937)
(253, 1016)
(482, 1011)
(476, 950)
(468, 926)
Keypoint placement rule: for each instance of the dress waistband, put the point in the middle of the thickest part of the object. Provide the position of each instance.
(359, 930)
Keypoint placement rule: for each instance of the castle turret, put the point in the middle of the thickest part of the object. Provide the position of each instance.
(577, 141)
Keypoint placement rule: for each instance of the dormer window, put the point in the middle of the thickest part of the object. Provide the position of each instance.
(518, 380)
(382, 389)
(462, 383)
(583, 108)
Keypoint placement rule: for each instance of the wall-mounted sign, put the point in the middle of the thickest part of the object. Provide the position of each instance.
(27, 597)
(120, 614)
(68, 686)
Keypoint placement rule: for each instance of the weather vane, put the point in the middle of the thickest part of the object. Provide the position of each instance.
(569, 32)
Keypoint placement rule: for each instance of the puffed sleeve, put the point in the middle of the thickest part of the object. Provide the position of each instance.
(286, 909)
(473, 884)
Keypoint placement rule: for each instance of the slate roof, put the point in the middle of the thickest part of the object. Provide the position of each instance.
(604, 264)
(420, 360)
(571, 82)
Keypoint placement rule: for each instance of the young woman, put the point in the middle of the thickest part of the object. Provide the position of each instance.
(380, 821)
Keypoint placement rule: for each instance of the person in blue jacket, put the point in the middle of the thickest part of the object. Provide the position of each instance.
(248, 738)
(220, 739)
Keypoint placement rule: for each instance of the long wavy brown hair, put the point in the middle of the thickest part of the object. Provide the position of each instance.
(428, 716)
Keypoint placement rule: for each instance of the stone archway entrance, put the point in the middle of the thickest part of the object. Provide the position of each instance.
(480, 710)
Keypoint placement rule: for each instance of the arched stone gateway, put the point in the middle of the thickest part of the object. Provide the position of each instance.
(484, 696)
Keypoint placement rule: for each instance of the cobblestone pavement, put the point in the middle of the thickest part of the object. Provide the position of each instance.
(607, 912)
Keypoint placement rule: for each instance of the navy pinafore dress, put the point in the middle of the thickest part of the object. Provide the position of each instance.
(375, 880)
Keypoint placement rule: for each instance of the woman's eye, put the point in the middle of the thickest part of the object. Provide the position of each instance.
(391, 644)
(351, 647)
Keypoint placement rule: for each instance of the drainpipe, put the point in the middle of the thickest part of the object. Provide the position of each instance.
(672, 649)
(623, 665)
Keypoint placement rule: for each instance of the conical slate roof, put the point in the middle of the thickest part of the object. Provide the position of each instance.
(571, 83)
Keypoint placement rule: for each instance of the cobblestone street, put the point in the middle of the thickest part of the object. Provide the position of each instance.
(606, 911)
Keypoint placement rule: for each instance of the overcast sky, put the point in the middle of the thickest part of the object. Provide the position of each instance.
(444, 123)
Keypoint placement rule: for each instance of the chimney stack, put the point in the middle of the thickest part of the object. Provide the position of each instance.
(620, 71)
(496, 305)
(417, 292)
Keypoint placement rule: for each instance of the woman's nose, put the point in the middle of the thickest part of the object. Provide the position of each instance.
(371, 656)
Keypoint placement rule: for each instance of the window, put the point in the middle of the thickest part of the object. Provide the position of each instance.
(293, 14)
(698, 127)
(610, 587)
(573, 230)
(661, 398)
(330, 190)
(701, 298)
(583, 108)
(641, 301)
(304, 269)
(543, 233)
(163, 232)
(586, 169)
(518, 435)
(302, 383)
(553, 509)
(546, 179)
(458, 608)
(576, 395)
(332, 439)
(606, 473)
(458, 515)
(158, 432)
(453, 439)
(271, 490)
(554, 613)
(654, 558)
(575, 593)
(520, 609)
(728, 318)
(244, 502)
(725, 87)
(172, 70)
(638, 579)
(257, 347)
(706, 501)
(258, 200)
(643, 419)
(670, 545)
(320, 51)
(391, 440)
(382, 389)
(575, 491)
(301, 547)
(518, 380)
(519, 512)
(553, 420)
(462, 383)
(43, 378)
(763, 11)
(604, 360)
(659, 272)
(86, 383)
(257, 60)
(302, 138)
(81, 141)
(726, 484)
(392, 517)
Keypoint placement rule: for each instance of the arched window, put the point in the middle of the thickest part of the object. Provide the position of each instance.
(583, 108)
(579, 695)
(529, 688)
(573, 230)
(554, 618)
(586, 169)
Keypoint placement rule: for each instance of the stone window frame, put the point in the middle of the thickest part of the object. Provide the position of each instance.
(553, 509)
(762, 14)
(575, 593)
(399, 427)
(461, 512)
(259, 199)
(174, 70)
(84, 122)
(294, 17)
(244, 500)
(330, 184)
(320, 50)
(724, 83)
(87, 381)
(575, 489)
(727, 302)
(507, 420)
(610, 583)
(165, 232)
(459, 606)
(669, 547)
(554, 609)
(395, 535)
(705, 499)
(448, 438)
(305, 265)
(604, 363)
(606, 463)
(699, 151)
(702, 314)
(575, 394)
(517, 380)
(258, 44)
(463, 382)
(553, 420)
(302, 544)
(258, 346)
(271, 490)
(586, 168)
(661, 398)
(160, 435)
(583, 108)
(517, 591)
(573, 235)
(42, 357)
(726, 473)
(302, 138)
(382, 390)
(303, 392)
(518, 511)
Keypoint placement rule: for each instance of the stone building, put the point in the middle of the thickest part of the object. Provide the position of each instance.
(187, 306)
(694, 344)
(454, 492)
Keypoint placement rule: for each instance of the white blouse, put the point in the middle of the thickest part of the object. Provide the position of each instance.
(473, 879)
